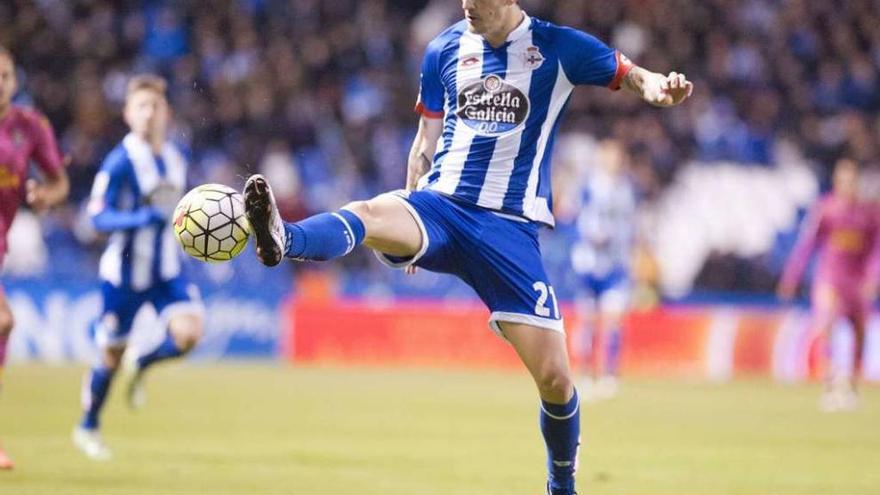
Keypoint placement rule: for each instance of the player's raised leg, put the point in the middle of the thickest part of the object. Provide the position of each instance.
(180, 308)
(544, 353)
(383, 223)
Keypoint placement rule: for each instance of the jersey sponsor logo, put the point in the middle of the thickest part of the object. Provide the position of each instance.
(467, 62)
(533, 58)
(8, 178)
(492, 106)
(848, 240)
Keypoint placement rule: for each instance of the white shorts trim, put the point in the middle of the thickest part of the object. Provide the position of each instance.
(535, 321)
(401, 196)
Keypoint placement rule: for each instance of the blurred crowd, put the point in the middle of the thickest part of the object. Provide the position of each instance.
(319, 94)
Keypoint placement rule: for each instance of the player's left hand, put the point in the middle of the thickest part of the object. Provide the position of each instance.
(674, 89)
(36, 197)
(411, 270)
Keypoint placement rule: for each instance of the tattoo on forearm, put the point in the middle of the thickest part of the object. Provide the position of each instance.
(632, 82)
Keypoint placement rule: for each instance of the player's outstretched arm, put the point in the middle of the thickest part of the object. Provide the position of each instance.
(423, 149)
(657, 89)
(810, 236)
(105, 191)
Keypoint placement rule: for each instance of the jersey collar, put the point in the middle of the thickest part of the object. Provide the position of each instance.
(522, 29)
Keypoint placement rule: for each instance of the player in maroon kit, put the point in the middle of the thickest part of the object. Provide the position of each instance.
(25, 137)
(844, 229)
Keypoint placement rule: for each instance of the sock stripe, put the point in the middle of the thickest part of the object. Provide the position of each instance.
(574, 411)
(349, 231)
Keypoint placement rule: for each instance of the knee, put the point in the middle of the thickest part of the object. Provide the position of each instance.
(6, 323)
(112, 358)
(187, 331)
(363, 209)
(555, 385)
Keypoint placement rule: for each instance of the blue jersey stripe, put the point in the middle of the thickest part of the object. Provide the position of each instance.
(473, 175)
(450, 54)
(545, 186)
(126, 259)
(155, 270)
(539, 95)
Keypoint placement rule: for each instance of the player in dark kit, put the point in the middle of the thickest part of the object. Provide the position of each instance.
(845, 231)
(493, 90)
(25, 137)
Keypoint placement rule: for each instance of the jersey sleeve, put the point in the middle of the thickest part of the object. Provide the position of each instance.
(107, 184)
(102, 207)
(588, 61)
(431, 93)
(46, 153)
(810, 235)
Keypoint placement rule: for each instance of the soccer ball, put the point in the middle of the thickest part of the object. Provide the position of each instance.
(210, 224)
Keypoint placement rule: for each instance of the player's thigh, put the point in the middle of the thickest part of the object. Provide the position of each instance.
(6, 319)
(391, 227)
(827, 307)
(544, 353)
(179, 304)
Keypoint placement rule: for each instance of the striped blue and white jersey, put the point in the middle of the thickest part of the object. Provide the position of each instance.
(502, 107)
(133, 177)
(606, 225)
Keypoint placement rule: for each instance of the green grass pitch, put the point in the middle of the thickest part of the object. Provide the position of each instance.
(247, 429)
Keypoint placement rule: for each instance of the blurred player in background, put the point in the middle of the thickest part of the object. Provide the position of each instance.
(133, 196)
(601, 258)
(25, 137)
(493, 88)
(844, 230)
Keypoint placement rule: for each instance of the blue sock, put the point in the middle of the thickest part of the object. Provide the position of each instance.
(166, 350)
(612, 357)
(561, 427)
(95, 387)
(324, 236)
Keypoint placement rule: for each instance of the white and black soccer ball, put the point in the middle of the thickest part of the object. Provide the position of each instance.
(210, 224)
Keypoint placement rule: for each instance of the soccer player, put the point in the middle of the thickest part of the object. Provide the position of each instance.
(132, 199)
(601, 258)
(844, 230)
(493, 88)
(25, 137)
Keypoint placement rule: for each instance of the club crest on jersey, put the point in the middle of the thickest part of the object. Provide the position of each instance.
(532, 58)
(492, 106)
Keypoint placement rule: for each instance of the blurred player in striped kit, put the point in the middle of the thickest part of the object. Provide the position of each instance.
(493, 89)
(25, 137)
(133, 196)
(601, 258)
(845, 230)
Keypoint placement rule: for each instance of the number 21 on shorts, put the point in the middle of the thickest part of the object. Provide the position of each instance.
(540, 307)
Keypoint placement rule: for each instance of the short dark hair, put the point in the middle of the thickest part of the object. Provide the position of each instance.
(146, 81)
